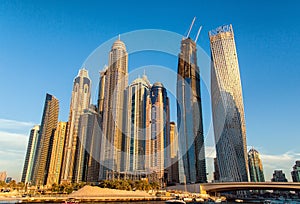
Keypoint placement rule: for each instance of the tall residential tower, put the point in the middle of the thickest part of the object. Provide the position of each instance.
(138, 126)
(189, 115)
(255, 166)
(113, 112)
(45, 140)
(80, 101)
(227, 106)
(30, 155)
(160, 131)
(57, 153)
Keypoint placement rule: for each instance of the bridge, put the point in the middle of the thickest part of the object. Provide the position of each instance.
(207, 188)
(210, 188)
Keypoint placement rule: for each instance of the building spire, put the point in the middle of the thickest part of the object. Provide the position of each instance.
(198, 34)
(191, 26)
(119, 37)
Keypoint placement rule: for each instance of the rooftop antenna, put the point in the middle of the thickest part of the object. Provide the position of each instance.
(198, 34)
(191, 26)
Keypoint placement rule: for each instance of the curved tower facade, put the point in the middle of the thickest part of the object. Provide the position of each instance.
(227, 106)
(80, 101)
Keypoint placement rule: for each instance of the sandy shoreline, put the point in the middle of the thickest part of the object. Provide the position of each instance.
(90, 193)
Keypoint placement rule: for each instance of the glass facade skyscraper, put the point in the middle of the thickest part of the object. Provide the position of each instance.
(189, 116)
(227, 106)
(160, 131)
(45, 140)
(255, 166)
(30, 155)
(137, 127)
(88, 134)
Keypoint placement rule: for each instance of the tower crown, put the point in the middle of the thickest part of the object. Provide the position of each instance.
(118, 44)
(83, 73)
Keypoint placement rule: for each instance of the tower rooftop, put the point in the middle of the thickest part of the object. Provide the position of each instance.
(118, 44)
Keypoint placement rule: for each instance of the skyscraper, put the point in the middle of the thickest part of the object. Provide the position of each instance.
(216, 172)
(173, 169)
(88, 133)
(189, 115)
(57, 153)
(296, 172)
(101, 91)
(279, 176)
(160, 130)
(93, 145)
(138, 126)
(113, 115)
(255, 166)
(227, 106)
(80, 100)
(30, 155)
(45, 140)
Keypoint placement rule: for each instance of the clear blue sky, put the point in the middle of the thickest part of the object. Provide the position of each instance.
(44, 43)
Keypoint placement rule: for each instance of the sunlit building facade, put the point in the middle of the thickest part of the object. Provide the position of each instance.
(255, 166)
(160, 131)
(138, 127)
(80, 101)
(88, 135)
(57, 153)
(30, 155)
(45, 140)
(113, 108)
(189, 116)
(173, 169)
(227, 106)
(93, 144)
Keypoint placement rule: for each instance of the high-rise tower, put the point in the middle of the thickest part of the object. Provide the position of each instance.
(255, 166)
(101, 91)
(173, 169)
(80, 100)
(296, 172)
(57, 153)
(189, 115)
(30, 154)
(88, 135)
(138, 126)
(113, 113)
(45, 140)
(160, 130)
(227, 106)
